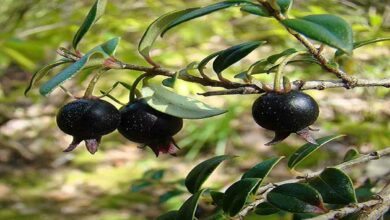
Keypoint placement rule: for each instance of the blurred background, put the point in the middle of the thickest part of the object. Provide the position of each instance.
(38, 181)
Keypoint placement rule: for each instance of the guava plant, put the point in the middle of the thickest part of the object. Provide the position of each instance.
(155, 112)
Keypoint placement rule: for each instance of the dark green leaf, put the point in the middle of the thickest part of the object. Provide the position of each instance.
(363, 43)
(205, 61)
(255, 9)
(296, 198)
(37, 76)
(328, 29)
(335, 187)
(274, 58)
(237, 195)
(93, 16)
(171, 215)
(233, 54)
(169, 195)
(164, 100)
(217, 197)
(261, 170)
(308, 149)
(154, 174)
(201, 172)
(140, 185)
(266, 208)
(187, 210)
(201, 12)
(284, 5)
(351, 154)
(156, 28)
(243, 75)
(106, 49)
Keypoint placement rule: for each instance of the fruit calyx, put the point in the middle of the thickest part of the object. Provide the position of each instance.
(87, 119)
(143, 124)
(286, 113)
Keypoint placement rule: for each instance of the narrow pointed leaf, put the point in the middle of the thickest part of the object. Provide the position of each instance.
(164, 100)
(233, 54)
(201, 172)
(93, 16)
(187, 210)
(363, 43)
(284, 5)
(205, 61)
(261, 170)
(237, 195)
(202, 11)
(37, 76)
(255, 9)
(169, 195)
(328, 29)
(266, 208)
(335, 187)
(274, 58)
(308, 149)
(156, 28)
(105, 50)
(296, 198)
(171, 215)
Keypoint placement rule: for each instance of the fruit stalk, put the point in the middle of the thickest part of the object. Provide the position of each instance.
(282, 65)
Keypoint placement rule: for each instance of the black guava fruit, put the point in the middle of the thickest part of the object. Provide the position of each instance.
(88, 120)
(286, 113)
(141, 123)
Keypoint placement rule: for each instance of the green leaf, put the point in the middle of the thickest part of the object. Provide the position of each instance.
(140, 185)
(164, 100)
(296, 198)
(274, 58)
(363, 43)
(335, 187)
(187, 210)
(155, 29)
(201, 12)
(328, 29)
(308, 149)
(284, 5)
(266, 208)
(351, 154)
(169, 195)
(217, 197)
(106, 49)
(255, 9)
(93, 16)
(201, 172)
(38, 75)
(237, 195)
(171, 215)
(261, 170)
(233, 54)
(171, 81)
(154, 174)
(205, 61)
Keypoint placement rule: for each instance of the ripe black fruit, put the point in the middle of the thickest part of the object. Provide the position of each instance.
(142, 124)
(285, 113)
(88, 120)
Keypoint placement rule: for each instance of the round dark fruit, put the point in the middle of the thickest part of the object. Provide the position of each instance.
(88, 120)
(143, 124)
(285, 113)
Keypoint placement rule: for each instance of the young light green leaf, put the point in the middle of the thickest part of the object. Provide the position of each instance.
(105, 50)
(296, 198)
(363, 43)
(261, 170)
(155, 29)
(37, 76)
(187, 210)
(93, 16)
(171, 215)
(164, 100)
(237, 195)
(201, 12)
(201, 172)
(274, 58)
(233, 54)
(328, 29)
(266, 208)
(255, 9)
(308, 149)
(334, 186)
